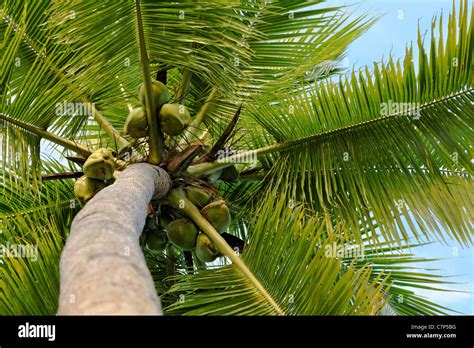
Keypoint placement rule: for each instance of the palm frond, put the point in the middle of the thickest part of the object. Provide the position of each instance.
(21, 196)
(30, 264)
(343, 155)
(184, 36)
(34, 222)
(403, 279)
(286, 252)
(342, 165)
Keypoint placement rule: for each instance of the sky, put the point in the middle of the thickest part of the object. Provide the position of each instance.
(397, 27)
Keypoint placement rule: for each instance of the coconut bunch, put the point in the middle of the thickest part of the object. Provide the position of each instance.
(173, 117)
(182, 232)
(98, 172)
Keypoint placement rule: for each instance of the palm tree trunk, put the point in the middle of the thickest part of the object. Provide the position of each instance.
(103, 270)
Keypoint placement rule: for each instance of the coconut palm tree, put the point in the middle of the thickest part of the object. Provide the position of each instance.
(333, 178)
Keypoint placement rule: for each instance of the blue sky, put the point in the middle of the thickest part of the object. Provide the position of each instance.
(390, 34)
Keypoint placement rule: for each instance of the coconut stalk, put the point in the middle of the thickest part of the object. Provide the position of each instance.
(104, 124)
(183, 89)
(155, 136)
(193, 129)
(103, 269)
(177, 198)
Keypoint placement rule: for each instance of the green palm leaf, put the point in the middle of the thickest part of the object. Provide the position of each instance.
(342, 155)
(286, 252)
(342, 166)
(403, 279)
(34, 222)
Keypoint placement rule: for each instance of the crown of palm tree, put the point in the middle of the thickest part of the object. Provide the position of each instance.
(371, 158)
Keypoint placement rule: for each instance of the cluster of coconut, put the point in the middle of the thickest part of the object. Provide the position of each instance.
(98, 172)
(170, 225)
(183, 232)
(99, 167)
(173, 118)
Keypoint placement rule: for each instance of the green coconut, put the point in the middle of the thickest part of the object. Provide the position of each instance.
(205, 249)
(218, 214)
(199, 196)
(156, 239)
(100, 165)
(161, 93)
(174, 118)
(183, 233)
(136, 124)
(85, 188)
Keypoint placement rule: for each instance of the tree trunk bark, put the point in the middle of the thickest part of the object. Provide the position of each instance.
(103, 270)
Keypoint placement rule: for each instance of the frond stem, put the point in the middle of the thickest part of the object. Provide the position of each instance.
(210, 167)
(155, 137)
(177, 198)
(199, 117)
(66, 143)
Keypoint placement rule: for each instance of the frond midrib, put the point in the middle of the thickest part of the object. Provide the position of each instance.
(288, 144)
